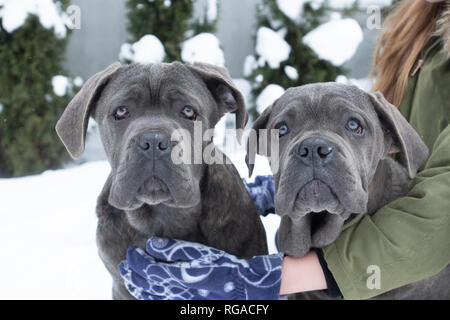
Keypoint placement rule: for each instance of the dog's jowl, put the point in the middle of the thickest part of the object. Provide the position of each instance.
(336, 145)
(138, 108)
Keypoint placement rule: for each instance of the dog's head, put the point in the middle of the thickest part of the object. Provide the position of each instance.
(138, 108)
(331, 139)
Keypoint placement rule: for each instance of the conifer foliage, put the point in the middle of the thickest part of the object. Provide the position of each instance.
(31, 56)
(301, 65)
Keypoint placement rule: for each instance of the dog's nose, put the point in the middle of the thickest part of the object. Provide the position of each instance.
(314, 151)
(154, 144)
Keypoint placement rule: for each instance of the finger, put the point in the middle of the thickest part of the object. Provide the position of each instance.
(132, 280)
(170, 250)
(145, 289)
(138, 261)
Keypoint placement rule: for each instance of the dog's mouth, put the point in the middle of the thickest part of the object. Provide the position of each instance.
(317, 197)
(153, 191)
(318, 220)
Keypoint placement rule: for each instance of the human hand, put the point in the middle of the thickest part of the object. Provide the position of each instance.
(182, 270)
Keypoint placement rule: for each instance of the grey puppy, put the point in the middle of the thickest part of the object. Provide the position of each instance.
(137, 108)
(335, 146)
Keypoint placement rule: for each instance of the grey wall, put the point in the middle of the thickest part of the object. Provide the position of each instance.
(97, 43)
(359, 65)
(235, 29)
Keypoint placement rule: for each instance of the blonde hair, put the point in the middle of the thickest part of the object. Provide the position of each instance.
(407, 30)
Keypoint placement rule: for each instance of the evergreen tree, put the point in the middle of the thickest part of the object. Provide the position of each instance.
(309, 67)
(29, 109)
(171, 21)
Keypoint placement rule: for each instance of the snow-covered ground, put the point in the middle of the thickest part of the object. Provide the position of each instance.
(47, 233)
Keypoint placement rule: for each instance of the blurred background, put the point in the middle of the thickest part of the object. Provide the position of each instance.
(49, 48)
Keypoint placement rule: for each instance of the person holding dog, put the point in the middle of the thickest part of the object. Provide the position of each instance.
(408, 239)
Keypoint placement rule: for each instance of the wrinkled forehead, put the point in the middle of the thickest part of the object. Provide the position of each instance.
(152, 81)
(321, 100)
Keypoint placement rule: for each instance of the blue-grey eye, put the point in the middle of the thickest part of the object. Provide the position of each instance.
(283, 129)
(189, 113)
(121, 113)
(354, 126)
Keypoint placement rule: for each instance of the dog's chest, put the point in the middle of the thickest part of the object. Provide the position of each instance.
(117, 230)
(165, 221)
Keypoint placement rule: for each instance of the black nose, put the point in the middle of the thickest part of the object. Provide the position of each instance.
(154, 144)
(314, 151)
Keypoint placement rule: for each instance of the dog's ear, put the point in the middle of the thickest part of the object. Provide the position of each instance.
(227, 96)
(254, 137)
(72, 125)
(402, 136)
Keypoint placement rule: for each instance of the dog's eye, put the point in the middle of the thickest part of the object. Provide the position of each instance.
(354, 126)
(189, 113)
(121, 113)
(283, 129)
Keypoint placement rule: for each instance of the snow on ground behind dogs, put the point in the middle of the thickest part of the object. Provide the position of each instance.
(47, 234)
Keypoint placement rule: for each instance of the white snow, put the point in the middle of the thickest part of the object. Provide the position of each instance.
(282, 32)
(271, 47)
(78, 81)
(204, 47)
(211, 12)
(148, 49)
(292, 8)
(270, 93)
(125, 52)
(245, 87)
(60, 85)
(336, 40)
(261, 62)
(259, 78)
(47, 235)
(250, 64)
(272, 221)
(15, 12)
(316, 4)
(291, 72)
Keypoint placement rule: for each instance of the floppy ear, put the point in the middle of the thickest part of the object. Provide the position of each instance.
(404, 138)
(227, 96)
(72, 125)
(253, 143)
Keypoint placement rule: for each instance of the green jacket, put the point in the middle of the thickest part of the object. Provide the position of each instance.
(409, 239)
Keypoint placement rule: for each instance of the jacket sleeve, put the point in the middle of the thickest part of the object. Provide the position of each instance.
(408, 239)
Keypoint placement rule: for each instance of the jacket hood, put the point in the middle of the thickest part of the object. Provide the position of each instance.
(443, 27)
